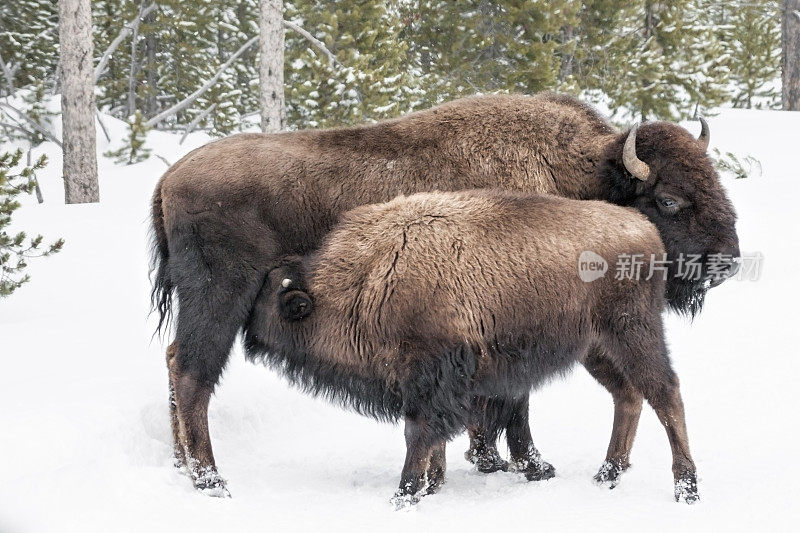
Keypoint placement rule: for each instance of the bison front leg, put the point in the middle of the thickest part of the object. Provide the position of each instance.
(490, 417)
(483, 452)
(642, 356)
(627, 410)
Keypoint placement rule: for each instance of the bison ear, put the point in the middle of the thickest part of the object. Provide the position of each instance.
(295, 305)
(705, 134)
(638, 168)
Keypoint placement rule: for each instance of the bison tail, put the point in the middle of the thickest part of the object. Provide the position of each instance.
(161, 294)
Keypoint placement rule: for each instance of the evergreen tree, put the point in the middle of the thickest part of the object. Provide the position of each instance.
(595, 44)
(28, 41)
(671, 63)
(179, 47)
(29, 51)
(133, 148)
(371, 80)
(750, 32)
(16, 248)
(480, 46)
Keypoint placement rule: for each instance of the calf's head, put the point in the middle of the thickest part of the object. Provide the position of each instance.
(664, 172)
(286, 281)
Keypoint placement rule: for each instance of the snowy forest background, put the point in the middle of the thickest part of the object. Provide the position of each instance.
(650, 59)
(195, 65)
(85, 426)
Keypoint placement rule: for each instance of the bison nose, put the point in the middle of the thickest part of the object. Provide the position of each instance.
(723, 266)
(734, 258)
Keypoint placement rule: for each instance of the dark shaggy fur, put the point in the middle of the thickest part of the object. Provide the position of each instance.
(226, 211)
(407, 324)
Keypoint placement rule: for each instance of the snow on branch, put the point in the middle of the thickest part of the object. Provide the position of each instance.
(38, 127)
(193, 124)
(313, 40)
(127, 30)
(183, 104)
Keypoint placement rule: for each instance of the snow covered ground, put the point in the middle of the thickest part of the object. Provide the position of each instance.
(85, 439)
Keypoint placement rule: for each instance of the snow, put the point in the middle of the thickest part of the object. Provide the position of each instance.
(86, 443)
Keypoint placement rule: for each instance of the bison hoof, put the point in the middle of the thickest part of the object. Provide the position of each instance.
(486, 461)
(177, 459)
(539, 471)
(435, 482)
(209, 482)
(609, 474)
(686, 488)
(534, 469)
(402, 501)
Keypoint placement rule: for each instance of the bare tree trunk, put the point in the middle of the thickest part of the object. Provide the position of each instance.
(134, 64)
(791, 55)
(77, 102)
(271, 43)
(151, 104)
(569, 56)
(126, 30)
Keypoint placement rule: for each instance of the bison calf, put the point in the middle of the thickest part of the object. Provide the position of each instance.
(426, 302)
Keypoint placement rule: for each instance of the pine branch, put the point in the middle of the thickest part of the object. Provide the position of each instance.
(193, 124)
(128, 28)
(33, 123)
(102, 124)
(313, 40)
(18, 128)
(183, 104)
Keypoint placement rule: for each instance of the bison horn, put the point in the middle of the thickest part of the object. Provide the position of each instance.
(633, 164)
(286, 282)
(705, 134)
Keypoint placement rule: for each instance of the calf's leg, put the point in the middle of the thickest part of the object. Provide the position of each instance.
(490, 416)
(437, 465)
(524, 455)
(483, 428)
(413, 482)
(627, 410)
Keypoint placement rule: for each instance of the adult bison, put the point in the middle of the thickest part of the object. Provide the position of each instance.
(425, 302)
(227, 210)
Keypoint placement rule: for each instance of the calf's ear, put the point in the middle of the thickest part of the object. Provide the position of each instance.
(294, 305)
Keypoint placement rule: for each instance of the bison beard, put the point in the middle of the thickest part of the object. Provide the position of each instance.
(686, 297)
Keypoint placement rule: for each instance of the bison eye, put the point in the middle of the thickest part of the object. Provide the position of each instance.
(668, 205)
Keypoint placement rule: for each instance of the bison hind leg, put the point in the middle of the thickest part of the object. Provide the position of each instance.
(437, 465)
(486, 424)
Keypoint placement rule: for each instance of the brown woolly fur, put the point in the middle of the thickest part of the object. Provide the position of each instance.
(226, 211)
(427, 301)
(474, 267)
